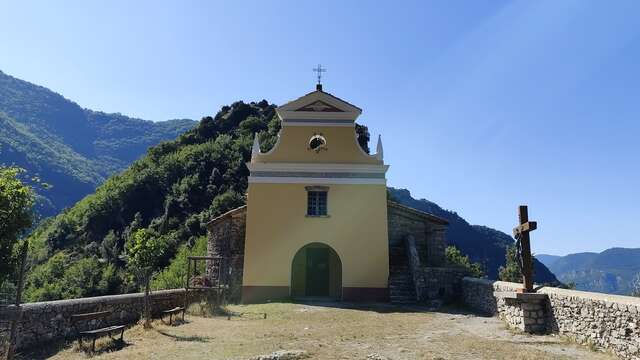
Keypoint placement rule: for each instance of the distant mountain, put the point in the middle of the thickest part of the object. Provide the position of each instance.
(71, 148)
(482, 244)
(611, 271)
(546, 259)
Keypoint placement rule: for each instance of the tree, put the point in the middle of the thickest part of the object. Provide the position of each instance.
(635, 286)
(363, 137)
(511, 271)
(455, 257)
(145, 251)
(16, 216)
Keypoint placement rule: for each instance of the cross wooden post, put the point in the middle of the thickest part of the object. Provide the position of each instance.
(521, 232)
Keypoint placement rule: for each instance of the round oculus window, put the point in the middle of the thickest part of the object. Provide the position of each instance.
(317, 143)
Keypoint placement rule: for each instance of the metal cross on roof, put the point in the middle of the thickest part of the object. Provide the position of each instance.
(319, 70)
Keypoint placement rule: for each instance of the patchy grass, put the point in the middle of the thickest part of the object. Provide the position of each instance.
(377, 332)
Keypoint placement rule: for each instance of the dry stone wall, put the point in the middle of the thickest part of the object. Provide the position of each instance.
(226, 240)
(427, 231)
(606, 322)
(51, 320)
(444, 283)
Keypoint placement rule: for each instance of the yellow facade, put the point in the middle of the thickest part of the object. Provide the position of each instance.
(342, 147)
(278, 225)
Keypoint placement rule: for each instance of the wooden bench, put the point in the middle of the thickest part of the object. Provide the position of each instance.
(95, 333)
(170, 312)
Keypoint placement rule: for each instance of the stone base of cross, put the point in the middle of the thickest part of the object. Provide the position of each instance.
(521, 233)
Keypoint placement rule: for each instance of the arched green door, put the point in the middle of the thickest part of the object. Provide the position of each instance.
(316, 271)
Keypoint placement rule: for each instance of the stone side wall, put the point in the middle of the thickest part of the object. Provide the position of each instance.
(607, 322)
(428, 233)
(436, 245)
(402, 225)
(226, 240)
(51, 320)
(433, 283)
(444, 283)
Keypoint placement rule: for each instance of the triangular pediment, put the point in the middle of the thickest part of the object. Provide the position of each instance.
(319, 105)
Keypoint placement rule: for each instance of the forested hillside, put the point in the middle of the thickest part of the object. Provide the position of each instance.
(482, 244)
(172, 192)
(71, 148)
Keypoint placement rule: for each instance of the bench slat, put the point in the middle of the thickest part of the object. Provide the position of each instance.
(90, 316)
(103, 330)
(174, 310)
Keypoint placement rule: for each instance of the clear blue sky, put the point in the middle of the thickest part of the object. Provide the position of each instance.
(482, 105)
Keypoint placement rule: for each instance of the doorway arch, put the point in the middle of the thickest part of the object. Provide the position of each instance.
(316, 271)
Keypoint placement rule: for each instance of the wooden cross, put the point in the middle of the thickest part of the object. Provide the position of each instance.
(319, 70)
(521, 232)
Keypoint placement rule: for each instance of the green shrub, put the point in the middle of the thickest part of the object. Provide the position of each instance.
(456, 258)
(173, 276)
(511, 271)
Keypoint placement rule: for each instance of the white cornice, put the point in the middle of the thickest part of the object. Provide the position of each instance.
(318, 167)
(316, 181)
(316, 115)
(317, 123)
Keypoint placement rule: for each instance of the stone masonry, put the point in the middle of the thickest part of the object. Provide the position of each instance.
(606, 322)
(226, 240)
(422, 237)
(428, 232)
(526, 312)
(51, 320)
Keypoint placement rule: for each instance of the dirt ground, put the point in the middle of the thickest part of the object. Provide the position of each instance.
(326, 332)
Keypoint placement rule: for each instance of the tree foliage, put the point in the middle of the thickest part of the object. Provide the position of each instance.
(72, 148)
(635, 285)
(456, 258)
(174, 275)
(145, 250)
(511, 271)
(16, 216)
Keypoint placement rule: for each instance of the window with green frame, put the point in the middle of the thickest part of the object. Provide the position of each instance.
(317, 201)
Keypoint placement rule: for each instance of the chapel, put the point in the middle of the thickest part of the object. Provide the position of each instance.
(318, 223)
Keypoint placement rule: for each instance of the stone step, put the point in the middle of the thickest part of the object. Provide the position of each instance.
(403, 295)
(401, 288)
(403, 272)
(402, 300)
(400, 281)
(400, 284)
(400, 277)
(406, 283)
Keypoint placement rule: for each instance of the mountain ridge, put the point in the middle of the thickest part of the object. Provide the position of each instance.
(610, 271)
(72, 148)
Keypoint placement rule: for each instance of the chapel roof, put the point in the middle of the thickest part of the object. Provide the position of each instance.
(319, 91)
(415, 212)
(229, 214)
(331, 95)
